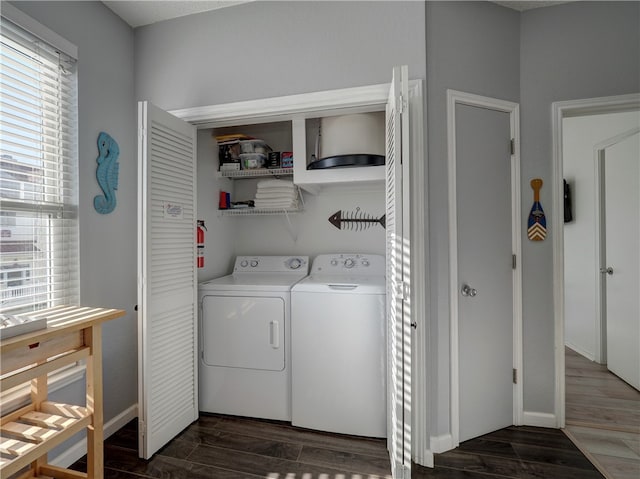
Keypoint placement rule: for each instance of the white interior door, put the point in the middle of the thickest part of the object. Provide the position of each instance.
(622, 268)
(482, 286)
(398, 277)
(167, 281)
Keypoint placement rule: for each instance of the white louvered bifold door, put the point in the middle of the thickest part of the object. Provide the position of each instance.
(167, 278)
(398, 277)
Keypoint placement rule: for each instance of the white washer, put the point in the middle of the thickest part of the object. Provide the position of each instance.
(339, 347)
(245, 353)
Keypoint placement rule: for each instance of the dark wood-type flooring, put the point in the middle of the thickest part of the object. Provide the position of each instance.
(603, 417)
(230, 448)
(514, 452)
(595, 397)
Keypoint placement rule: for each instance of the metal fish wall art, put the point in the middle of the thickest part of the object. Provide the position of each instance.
(355, 220)
(107, 173)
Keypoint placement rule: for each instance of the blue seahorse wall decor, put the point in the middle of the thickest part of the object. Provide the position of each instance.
(107, 173)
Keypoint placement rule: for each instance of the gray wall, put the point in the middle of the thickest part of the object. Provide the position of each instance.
(266, 49)
(571, 51)
(472, 47)
(107, 242)
(578, 50)
(248, 52)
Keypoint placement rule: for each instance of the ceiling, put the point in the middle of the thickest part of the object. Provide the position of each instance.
(522, 6)
(145, 12)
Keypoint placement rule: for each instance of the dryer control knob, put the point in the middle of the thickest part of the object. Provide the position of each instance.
(244, 263)
(349, 263)
(254, 263)
(295, 263)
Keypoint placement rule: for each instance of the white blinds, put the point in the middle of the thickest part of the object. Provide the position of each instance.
(38, 173)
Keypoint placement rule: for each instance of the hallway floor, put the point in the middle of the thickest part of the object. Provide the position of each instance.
(232, 448)
(514, 453)
(603, 417)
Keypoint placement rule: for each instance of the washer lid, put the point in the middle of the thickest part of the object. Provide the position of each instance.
(252, 282)
(341, 284)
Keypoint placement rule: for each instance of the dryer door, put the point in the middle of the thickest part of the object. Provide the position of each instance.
(243, 332)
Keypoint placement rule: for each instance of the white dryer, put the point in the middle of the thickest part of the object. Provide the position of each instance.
(338, 338)
(245, 352)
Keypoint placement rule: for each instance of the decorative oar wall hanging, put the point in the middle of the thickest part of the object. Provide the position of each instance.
(355, 220)
(107, 173)
(537, 223)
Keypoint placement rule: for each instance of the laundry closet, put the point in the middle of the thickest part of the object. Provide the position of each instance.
(169, 207)
(305, 231)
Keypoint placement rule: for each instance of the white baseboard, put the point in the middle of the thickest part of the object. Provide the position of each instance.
(423, 457)
(79, 449)
(426, 460)
(441, 443)
(539, 419)
(580, 351)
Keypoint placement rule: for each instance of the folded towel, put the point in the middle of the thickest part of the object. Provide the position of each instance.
(287, 204)
(276, 201)
(268, 195)
(282, 191)
(278, 207)
(275, 184)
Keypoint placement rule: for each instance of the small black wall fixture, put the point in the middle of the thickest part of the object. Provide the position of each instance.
(568, 204)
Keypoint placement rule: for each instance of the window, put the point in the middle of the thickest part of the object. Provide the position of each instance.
(38, 170)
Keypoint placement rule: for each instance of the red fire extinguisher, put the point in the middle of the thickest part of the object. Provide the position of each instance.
(200, 243)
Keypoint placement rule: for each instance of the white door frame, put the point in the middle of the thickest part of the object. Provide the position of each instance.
(420, 381)
(366, 98)
(513, 109)
(600, 355)
(560, 110)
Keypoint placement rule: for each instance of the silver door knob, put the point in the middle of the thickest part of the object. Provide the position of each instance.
(468, 291)
(608, 270)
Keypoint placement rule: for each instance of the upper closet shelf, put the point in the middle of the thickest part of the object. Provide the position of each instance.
(255, 173)
(259, 211)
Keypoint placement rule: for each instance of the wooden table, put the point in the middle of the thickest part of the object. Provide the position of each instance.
(27, 434)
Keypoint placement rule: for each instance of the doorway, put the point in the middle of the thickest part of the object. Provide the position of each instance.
(619, 257)
(485, 288)
(562, 287)
(588, 396)
(587, 142)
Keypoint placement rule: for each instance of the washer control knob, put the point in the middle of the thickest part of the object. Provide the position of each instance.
(244, 263)
(254, 263)
(349, 263)
(365, 263)
(334, 262)
(294, 263)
